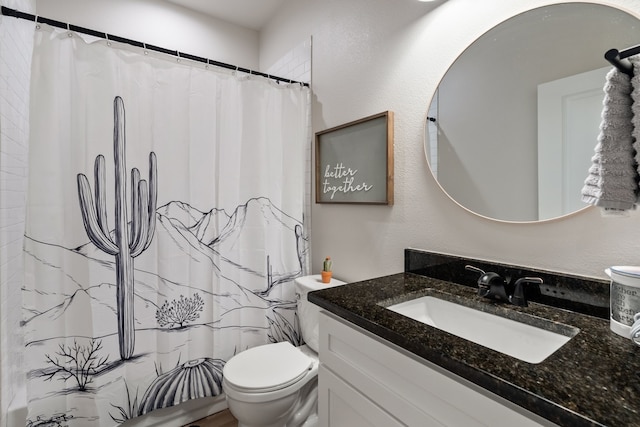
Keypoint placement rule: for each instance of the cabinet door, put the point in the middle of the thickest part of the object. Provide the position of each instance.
(412, 391)
(340, 405)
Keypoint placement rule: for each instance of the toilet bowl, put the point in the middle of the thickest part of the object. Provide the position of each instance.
(276, 385)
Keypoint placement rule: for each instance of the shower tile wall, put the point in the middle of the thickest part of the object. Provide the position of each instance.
(296, 65)
(16, 46)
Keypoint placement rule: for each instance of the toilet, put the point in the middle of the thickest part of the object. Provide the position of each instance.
(276, 385)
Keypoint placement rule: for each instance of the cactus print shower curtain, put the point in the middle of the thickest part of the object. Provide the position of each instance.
(164, 227)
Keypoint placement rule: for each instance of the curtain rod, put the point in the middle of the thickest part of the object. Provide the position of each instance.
(39, 19)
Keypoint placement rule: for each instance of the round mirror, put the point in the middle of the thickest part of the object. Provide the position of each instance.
(512, 126)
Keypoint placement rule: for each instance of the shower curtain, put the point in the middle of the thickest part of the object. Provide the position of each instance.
(164, 227)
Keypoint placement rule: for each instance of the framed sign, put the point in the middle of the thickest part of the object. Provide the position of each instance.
(354, 162)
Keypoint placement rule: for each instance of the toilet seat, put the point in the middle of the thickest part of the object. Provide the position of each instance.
(267, 368)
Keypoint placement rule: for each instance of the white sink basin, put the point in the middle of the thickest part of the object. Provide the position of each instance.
(516, 339)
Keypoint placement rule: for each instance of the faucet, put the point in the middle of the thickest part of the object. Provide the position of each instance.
(493, 286)
(517, 298)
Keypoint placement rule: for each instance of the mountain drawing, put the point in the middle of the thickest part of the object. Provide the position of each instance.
(193, 251)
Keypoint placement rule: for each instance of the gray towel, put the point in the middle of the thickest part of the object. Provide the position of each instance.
(612, 182)
(635, 107)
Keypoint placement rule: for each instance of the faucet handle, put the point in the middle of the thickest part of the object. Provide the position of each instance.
(490, 284)
(518, 297)
(474, 268)
(483, 286)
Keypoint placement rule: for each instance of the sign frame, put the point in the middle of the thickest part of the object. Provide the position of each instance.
(354, 162)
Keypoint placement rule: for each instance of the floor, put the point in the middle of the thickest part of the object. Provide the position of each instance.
(220, 419)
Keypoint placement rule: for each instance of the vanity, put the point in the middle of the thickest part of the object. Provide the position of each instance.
(382, 368)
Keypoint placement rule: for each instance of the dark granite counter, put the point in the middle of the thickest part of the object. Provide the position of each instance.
(593, 380)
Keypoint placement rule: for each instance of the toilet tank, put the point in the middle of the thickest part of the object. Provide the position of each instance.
(308, 312)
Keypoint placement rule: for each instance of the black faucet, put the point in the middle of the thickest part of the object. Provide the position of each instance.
(517, 297)
(493, 286)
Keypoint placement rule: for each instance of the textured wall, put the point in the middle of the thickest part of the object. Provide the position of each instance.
(376, 55)
(160, 23)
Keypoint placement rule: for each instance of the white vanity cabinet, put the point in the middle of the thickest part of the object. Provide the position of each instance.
(366, 381)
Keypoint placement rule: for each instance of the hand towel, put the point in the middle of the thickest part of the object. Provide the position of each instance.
(635, 107)
(612, 181)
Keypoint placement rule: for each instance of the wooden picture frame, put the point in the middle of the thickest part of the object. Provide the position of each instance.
(354, 162)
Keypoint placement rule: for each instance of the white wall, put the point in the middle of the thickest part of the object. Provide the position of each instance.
(16, 40)
(162, 24)
(376, 55)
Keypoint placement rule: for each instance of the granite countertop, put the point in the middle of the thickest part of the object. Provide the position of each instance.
(593, 380)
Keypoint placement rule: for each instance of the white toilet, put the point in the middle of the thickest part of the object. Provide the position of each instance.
(276, 385)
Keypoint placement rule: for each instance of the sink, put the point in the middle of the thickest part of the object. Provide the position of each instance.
(513, 337)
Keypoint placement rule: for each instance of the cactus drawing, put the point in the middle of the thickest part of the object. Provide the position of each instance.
(132, 233)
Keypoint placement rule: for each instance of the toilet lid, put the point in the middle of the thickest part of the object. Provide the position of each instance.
(267, 367)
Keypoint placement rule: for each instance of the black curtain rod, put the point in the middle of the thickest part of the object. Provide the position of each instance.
(618, 59)
(39, 19)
